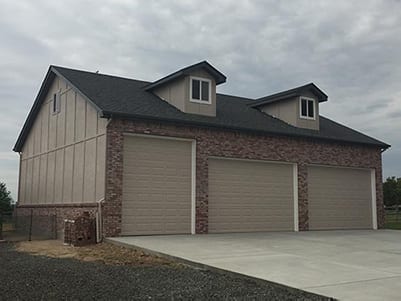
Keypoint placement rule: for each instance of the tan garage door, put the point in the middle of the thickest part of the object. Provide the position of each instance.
(156, 186)
(250, 196)
(339, 198)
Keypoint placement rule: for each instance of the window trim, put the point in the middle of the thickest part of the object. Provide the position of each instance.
(200, 90)
(57, 99)
(307, 108)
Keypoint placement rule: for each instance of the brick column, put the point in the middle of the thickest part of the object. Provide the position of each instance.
(303, 210)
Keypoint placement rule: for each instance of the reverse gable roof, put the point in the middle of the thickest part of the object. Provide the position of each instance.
(127, 98)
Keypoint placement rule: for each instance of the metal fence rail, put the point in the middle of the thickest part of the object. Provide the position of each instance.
(29, 227)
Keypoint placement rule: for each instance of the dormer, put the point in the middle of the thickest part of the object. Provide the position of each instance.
(298, 107)
(191, 89)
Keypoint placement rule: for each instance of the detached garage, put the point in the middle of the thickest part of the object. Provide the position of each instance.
(251, 196)
(341, 198)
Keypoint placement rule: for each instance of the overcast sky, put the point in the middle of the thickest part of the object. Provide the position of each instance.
(350, 49)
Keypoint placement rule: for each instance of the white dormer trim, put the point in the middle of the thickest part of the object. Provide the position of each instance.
(201, 79)
(300, 108)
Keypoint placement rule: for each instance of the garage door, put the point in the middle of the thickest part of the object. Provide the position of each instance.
(339, 198)
(247, 196)
(156, 186)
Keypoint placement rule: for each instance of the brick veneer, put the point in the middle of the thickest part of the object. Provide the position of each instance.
(227, 143)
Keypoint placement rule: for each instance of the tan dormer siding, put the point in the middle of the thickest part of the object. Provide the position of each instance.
(177, 93)
(289, 111)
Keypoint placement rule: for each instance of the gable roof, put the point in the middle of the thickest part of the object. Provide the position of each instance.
(127, 98)
(321, 96)
(217, 75)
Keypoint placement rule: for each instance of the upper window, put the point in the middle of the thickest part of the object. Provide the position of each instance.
(56, 103)
(200, 90)
(307, 106)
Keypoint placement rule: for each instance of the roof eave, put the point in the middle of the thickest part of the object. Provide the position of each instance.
(109, 114)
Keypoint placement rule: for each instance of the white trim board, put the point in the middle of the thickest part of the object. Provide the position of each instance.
(296, 206)
(374, 203)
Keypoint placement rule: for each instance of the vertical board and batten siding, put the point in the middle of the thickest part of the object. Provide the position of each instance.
(339, 198)
(250, 196)
(63, 158)
(157, 186)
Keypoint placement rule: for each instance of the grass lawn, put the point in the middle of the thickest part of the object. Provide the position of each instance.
(392, 221)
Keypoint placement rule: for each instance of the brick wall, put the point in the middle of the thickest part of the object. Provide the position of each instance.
(226, 143)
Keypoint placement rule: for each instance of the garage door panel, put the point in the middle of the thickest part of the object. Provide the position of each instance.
(156, 186)
(339, 198)
(247, 196)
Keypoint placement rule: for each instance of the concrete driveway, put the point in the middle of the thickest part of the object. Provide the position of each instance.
(348, 265)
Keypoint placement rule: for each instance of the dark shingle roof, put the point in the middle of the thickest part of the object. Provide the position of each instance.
(127, 98)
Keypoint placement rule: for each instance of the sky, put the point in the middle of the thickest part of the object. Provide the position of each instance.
(350, 49)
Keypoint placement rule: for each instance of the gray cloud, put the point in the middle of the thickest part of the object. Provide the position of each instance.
(348, 48)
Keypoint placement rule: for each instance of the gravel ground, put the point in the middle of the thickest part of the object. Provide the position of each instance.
(27, 277)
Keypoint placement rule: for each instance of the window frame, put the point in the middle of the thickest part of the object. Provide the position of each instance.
(201, 79)
(307, 108)
(56, 103)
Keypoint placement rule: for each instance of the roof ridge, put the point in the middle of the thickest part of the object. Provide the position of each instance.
(100, 74)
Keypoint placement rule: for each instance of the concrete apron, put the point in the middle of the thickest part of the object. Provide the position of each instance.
(348, 265)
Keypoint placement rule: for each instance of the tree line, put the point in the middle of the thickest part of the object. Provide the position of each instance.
(392, 192)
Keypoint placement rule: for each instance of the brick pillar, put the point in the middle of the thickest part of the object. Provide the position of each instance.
(112, 207)
(202, 193)
(303, 210)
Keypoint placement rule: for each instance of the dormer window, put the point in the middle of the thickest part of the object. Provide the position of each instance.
(56, 103)
(200, 90)
(307, 108)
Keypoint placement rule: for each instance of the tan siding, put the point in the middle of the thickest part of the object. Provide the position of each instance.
(91, 120)
(47, 159)
(339, 198)
(70, 118)
(58, 181)
(80, 117)
(90, 171)
(60, 134)
(177, 94)
(37, 131)
(35, 180)
(248, 196)
(28, 183)
(156, 186)
(52, 130)
(22, 184)
(51, 165)
(68, 174)
(45, 127)
(78, 181)
(42, 179)
(100, 166)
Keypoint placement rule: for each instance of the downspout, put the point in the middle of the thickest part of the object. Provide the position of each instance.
(99, 221)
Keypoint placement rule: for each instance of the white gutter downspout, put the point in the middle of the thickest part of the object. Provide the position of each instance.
(99, 221)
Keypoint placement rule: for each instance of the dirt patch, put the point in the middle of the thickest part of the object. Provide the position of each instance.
(104, 252)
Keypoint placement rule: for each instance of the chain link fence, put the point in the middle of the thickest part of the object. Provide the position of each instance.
(28, 227)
